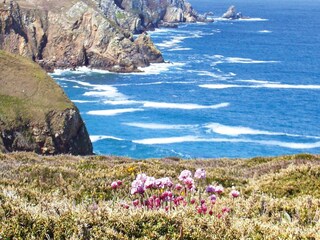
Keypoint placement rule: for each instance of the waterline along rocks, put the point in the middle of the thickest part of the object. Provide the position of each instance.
(68, 34)
(35, 114)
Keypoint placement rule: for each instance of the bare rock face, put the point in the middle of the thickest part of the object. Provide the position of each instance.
(140, 15)
(232, 13)
(146, 48)
(67, 34)
(35, 114)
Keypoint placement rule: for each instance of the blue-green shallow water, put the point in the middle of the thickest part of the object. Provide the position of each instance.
(232, 89)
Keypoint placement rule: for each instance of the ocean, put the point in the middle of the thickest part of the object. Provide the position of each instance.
(235, 89)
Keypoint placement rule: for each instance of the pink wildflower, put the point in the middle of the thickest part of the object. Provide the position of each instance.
(219, 189)
(226, 210)
(213, 199)
(114, 185)
(184, 174)
(178, 187)
(150, 182)
(210, 189)
(137, 186)
(135, 202)
(119, 182)
(234, 193)
(189, 182)
(142, 177)
(200, 174)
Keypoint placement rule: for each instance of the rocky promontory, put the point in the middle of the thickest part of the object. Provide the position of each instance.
(68, 34)
(35, 114)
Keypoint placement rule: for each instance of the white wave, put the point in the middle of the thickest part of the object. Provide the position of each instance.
(291, 145)
(179, 49)
(219, 86)
(171, 140)
(172, 42)
(186, 106)
(256, 81)
(113, 112)
(213, 75)
(79, 70)
(176, 40)
(83, 101)
(220, 19)
(121, 102)
(263, 85)
(157, 126)
(157, 68)
(238, 130)
(287, 86)
(246, 60)
(106, 91)
(96, 138)
(264, 31)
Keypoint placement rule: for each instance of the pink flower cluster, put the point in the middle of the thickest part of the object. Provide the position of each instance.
(162, 193)
(143, 182)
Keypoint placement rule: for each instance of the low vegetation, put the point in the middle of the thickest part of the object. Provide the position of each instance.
(66, 197)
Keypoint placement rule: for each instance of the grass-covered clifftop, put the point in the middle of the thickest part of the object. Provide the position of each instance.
(35, 114)
(27, 92)
(66, 197)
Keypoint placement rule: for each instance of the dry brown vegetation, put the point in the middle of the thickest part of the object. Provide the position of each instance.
(67, 197)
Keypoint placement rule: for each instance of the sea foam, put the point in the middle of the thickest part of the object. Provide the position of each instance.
(113, 112)
(96, 138)
(186, 106)
(172, 140)
(157, 126)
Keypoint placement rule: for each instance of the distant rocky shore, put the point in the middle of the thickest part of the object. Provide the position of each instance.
(93, 33)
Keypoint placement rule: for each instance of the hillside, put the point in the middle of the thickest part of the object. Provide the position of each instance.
(35, 114)
(67, 197)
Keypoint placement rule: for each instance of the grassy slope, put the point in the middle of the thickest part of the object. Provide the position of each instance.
(42, 197)
(27, 93)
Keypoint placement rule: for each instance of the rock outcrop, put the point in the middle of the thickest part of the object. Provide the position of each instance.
(35, 114)
(140, 15)
(67, 34)
(231, 13)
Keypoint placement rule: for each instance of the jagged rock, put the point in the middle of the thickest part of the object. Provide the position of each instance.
(141, 15)
(167, 25)
(232, 13)
(147, 48)
(67, 34)
(35, 114)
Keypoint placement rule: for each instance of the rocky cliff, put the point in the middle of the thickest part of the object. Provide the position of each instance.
(71, 33)
(140, 15)
(35, 114)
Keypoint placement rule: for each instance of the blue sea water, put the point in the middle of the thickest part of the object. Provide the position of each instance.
(231, 88)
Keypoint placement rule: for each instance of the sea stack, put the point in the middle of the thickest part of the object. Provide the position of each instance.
(231, 13)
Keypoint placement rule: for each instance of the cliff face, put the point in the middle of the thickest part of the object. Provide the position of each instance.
(140, 15)
(67, 34)
(35, 114)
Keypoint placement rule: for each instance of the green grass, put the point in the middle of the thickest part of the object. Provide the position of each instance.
(67, 197)
(27, 93)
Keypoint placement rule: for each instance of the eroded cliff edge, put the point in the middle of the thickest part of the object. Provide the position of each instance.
(72, 33)
(35, 114)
